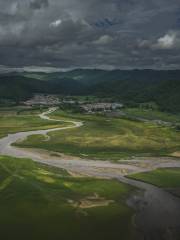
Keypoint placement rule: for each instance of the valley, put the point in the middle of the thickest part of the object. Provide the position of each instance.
(89, 120)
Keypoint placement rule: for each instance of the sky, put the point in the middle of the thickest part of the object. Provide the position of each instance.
(107, 34)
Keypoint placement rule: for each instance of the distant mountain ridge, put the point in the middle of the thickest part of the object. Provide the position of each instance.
(138, 86)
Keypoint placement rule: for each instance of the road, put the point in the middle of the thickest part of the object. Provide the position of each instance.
(158, 212)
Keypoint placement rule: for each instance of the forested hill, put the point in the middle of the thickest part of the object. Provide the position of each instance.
(138, 86)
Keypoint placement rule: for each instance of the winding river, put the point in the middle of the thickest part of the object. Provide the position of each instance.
(158, 211)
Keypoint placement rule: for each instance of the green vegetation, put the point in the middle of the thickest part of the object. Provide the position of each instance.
(168, 178)
(109, 138)
(40, 202)
(16, 120)
(149, 114)
(21, 110)
(131, 87)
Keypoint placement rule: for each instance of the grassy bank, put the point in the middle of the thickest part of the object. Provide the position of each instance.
(165, 178)
(40, 202)
(109, 138)
(168, 178)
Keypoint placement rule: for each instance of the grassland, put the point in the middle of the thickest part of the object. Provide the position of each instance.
(168, 178)
(152, 115)
(40, 202)
(109, 138)
(17, 119)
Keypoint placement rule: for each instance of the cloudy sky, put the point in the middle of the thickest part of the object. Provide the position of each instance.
(90, 33)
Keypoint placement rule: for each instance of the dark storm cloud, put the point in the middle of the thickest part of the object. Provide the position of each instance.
(90, 33)
(37, 4)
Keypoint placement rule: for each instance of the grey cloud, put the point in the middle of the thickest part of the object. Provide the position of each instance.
(103, 40)
(37, 4)
(89, 33)
(169, 41)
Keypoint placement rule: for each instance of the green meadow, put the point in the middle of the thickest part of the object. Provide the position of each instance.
(109, 138)
(17, 119)
(40, 202)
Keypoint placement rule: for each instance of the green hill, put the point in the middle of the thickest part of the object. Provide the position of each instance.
(128, 86)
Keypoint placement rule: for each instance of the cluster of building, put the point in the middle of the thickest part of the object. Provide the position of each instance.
(42, 99)
(54, 100)
(101, 107)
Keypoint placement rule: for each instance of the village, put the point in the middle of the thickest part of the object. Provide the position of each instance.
(85, 106)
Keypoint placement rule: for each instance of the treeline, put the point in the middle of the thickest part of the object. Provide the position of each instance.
(18, 88)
